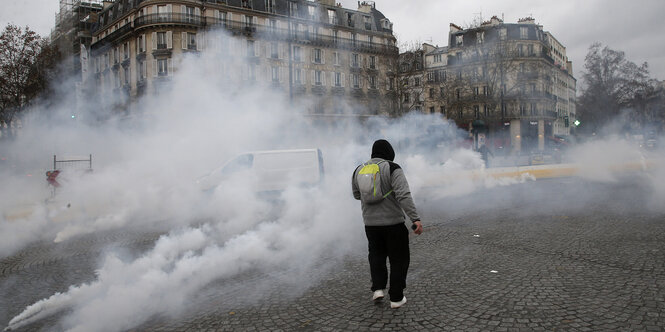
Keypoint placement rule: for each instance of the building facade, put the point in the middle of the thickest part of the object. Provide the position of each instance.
(501, 82)
(314, 49)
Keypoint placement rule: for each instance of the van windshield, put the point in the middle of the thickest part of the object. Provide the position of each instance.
(241, 162)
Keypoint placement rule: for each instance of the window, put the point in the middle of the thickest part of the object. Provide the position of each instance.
(222, 18)
(416, 81)
(372, 62)
(486, 110)
(480, 37)
(274, 50)
(530, 50)
(354, 38)
(246, 4)
(251, 50)
(251, 72)
(332, 16)
(458, 94)
(293, 7)
(476, 111)
(189, 13)
(317, 56)
(161, 40)
(485, 90)
(432, 93)
(335, 35)
(437, 58)
(297, 76)
(431, 109)
(355, 60)
(162, 67)
(459, 40)
(391, 83)
(534, 110)
(273, 26)
(442, 109)
(503, 33)
(191, 40)
(405, 97)
(475, 92)
(140, 43)
(125, 51)
(318, 77)
(126, 75)
(524, 33)
(368, 22)
(248, 23)
(312, 12)
(270, 6)
(430, 76)
(338, 79)
(522, 109)
(355, 81)
(297, 56)
(336, 61)
(372, 82)
(349, 20)
(275, 74)
(162, 12)
(503, 110)
(141, 71)
(442, 92)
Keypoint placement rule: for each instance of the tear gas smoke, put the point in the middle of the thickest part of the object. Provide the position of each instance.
(144, 178)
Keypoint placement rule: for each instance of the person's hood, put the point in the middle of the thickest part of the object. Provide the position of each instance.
(382, 149)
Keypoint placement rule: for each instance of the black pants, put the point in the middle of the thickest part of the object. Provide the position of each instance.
(390, 242)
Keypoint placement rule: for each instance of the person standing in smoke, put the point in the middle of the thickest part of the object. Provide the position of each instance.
(484, 154)
(385, 198)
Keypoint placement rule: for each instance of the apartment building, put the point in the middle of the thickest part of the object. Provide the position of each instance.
(340, 58)
(501, 82)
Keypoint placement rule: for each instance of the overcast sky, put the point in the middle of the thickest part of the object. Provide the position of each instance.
(636, 27)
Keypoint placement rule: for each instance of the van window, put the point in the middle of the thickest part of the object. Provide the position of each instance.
(241, 162)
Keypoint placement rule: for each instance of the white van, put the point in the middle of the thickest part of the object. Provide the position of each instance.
(273, 170)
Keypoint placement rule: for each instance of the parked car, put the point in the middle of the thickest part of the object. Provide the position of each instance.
(268, 171)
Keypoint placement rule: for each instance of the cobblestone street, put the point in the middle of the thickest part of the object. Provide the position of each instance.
(595, 264)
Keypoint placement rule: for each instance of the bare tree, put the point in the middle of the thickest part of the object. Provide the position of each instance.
(25, 60)
(612, 84)
(410, 81)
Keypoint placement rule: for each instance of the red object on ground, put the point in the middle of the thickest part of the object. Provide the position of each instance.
(51, 178)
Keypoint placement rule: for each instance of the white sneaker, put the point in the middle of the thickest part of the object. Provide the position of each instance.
(378, 295)
(396, 305)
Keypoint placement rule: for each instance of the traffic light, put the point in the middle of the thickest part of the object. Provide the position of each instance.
(577, 123)
(566, 122)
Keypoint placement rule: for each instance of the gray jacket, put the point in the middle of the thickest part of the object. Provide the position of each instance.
(392, 209)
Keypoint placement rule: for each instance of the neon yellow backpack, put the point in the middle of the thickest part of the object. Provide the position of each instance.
(369, 183)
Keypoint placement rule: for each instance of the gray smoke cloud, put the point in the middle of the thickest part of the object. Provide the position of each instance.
(144, 177)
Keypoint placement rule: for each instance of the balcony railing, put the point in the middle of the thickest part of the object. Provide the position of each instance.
(169, 18)
(302, 37)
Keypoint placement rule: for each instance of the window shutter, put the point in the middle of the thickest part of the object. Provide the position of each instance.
(323, 56)
(200, 40)
(323, 78)
(313, 55)
(313, 77)
(169, 8)
(197, 11)
(169, 63)
(255, 20)
(332, 78)
(183, 9)
(169, 39)
(143, 42)
(217, 13)
(184, 39)
(360, 81)
(145, 70)
(154, 68)
(154, 41)
(343, 78)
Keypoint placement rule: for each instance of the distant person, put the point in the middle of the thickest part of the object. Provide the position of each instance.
(484, 154)
(385, 197)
